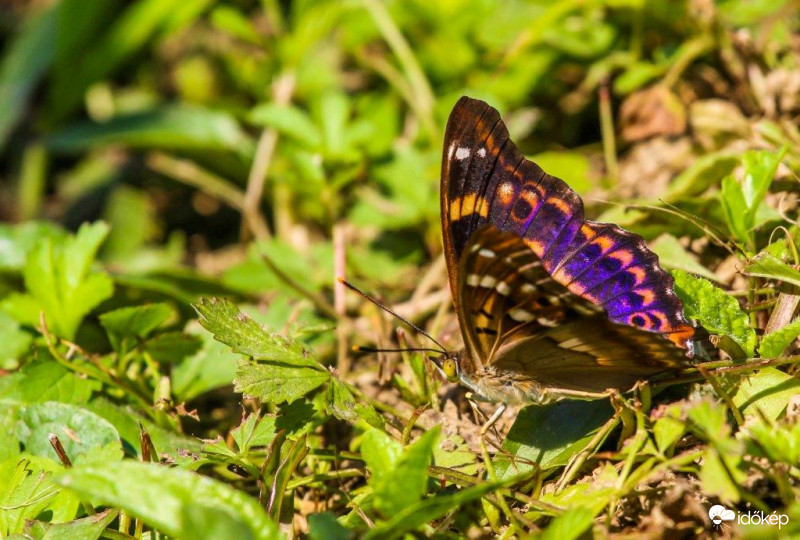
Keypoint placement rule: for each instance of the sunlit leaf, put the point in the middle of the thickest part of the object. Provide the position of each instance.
(718, 312)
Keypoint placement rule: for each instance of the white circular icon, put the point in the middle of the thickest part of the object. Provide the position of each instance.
(719, 513)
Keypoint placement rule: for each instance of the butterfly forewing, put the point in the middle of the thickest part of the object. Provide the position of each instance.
(487, 181)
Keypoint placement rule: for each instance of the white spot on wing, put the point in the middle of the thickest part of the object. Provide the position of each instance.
(520, 315)
(482, 152)
(488, 282)
(544, 321)
(451, 150)
(473, 280)
(503, 288)
(527, 288)
(488, 253)
(462, 153)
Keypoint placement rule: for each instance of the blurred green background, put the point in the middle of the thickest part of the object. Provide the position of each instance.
(173, 119)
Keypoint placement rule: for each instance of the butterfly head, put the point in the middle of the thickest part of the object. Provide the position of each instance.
(449, 365)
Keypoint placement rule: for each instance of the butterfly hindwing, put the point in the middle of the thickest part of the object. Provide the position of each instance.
(487, 181)
(519, 320)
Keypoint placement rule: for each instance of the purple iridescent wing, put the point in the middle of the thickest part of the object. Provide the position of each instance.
(487, 182)
(518, 320)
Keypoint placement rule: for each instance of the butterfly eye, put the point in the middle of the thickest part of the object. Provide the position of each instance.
(450, 369)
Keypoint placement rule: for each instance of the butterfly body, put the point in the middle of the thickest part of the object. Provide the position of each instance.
(550, 305)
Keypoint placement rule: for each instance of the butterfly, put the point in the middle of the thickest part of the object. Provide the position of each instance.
(550, 305)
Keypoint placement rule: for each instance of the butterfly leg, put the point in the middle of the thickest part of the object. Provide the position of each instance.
(497, 414)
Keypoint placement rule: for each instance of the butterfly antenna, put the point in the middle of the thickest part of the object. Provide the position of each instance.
(390, 312)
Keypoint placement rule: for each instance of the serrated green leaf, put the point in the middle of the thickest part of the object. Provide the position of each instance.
(341, 403)
(718, 312)
(245, 336)
(130, 485)
(399, 475)
(773, 344)
(274, 383)
(716, 478)
(213, 366)
(759, 170)
(767, 266)
(58, 280)
(27, 490)
(86, 437)
(767, 391)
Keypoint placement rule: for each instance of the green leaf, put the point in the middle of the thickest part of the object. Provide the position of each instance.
(130, 485)
(399, 475)
(767, 391)
(276, 382)
(213, 366)
(570, 525)
(245, 336)
(324, 526)
(135, 321)
(17, 241)
(168, 128)
(15, 341)
(759, 170)
(735, 208)
(572, 166)
(715, 476)
(419, 513)
(288, 120)
(671, 255)
(773, 344)
(47, 380)
(775, 441)
(58, 280)
(668, 429)
(127, 33)
(172, 347)
(342, 404)
(766, 266)
(550, 435)
(88, 528)
(25, 61)
(714, 309)
(706, 171)
(86, 437)
(27, 491)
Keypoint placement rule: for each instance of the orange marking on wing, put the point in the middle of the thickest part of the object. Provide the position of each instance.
(623, 256)
(604, 242)
(559, 203)
(639, 273)
(468, 203)
(647, 296)
(681, 336)
(646, 323)
(505, 192)
(588, 232)
(536, 246)
(561, 275)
